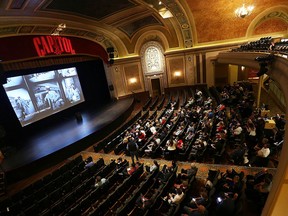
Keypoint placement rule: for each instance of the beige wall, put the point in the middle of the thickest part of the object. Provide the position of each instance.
(233, 74)
(176, 70)
(182, 69)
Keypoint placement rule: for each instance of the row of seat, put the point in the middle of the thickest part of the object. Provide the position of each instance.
(112, 198)
(79, 198)
(173, 209)
(110, 140)
(38, 189)
(49, 193)
(113, 145)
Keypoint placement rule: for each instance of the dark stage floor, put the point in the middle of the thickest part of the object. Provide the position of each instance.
(65, 138)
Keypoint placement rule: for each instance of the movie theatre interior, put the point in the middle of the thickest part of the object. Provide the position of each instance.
(143, 107)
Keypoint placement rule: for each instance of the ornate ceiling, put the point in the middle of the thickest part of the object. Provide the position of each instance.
(127, 24)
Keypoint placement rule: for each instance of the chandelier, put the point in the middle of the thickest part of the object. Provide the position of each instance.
(244, 11)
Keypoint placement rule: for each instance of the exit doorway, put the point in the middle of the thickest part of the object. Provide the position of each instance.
(156, 87)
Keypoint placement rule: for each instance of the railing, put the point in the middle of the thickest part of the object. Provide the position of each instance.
(277, 93)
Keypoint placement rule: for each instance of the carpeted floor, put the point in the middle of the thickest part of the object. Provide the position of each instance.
(202, 167)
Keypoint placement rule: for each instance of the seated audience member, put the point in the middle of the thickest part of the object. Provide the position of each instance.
(238, 130)
(228, 175)
(264, 186)
(171, 148)
(163, 120)
(99, 181)
(120, 165)
(258, 187)
(143, 202)
(174, 198)
(199, 144)
(173, 166)
(237, 155)
(220, 126)
(203, 199)
(200, 210)
(261, 144)
(252, 180)
(151, 147)
(251, 131)
(191, 128)
(153, 129)
(153, 167)
(131, 169)
(141, 136)
(88, 164)
(188, 173)
(163, 133)
(212, 177)
(261, 158)
(178, 131)
(189, 136)
(225, 205)
(234, 186)
(217, 143)
(180, 144)
(163, 175)
(264, 151)
(179, 183)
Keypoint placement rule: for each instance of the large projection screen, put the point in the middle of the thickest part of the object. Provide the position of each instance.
(38, 95)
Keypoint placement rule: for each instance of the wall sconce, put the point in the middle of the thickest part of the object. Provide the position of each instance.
(132, 80)
(177, 74)
(242, 68)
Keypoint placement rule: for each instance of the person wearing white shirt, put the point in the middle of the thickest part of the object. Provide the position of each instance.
(238, 130)
(264, 151)
(175, 198)
(99, 181)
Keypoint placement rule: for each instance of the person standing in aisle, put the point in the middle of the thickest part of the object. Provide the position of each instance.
(132, 148)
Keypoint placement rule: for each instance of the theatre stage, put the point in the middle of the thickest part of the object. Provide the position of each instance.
(54, 144)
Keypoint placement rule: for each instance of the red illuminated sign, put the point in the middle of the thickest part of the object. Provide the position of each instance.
(47, 45)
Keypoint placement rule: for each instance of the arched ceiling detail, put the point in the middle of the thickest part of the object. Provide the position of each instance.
(151, 36)
(274, 19)
(115, 23)
(121, 23)
(215, 21)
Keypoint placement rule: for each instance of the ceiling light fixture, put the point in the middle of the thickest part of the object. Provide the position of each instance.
(244, 11)
(165, 13)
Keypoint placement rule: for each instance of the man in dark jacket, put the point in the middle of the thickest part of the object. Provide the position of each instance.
(132, 148)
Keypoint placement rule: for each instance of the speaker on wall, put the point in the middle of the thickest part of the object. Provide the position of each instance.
(110, 49)
(111, 55)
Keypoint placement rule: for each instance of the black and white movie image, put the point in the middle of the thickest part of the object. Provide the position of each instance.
(22, 104)
(13, 81)
(48, 96)
(67, 72)
(38, 77)
(39, 95)
(71, 88)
